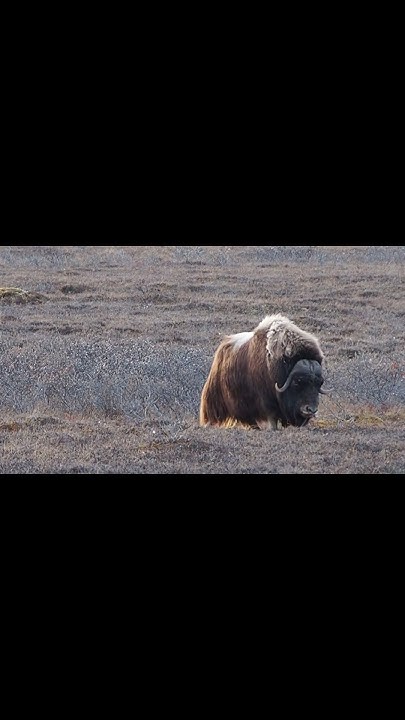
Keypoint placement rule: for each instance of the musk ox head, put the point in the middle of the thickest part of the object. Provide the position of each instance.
(298, 397)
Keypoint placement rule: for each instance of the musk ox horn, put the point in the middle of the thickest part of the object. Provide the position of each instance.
(285, 386)
(325, 392)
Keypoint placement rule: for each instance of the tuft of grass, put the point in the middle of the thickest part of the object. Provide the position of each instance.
(17, 295)
(364, 416)
(12, 426)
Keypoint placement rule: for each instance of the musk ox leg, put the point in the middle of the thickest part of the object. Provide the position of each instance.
(229, 424)
(267, 424)
(213, 408)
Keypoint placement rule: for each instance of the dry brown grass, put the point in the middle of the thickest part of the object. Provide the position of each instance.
(16, 295)
(106, 376)
(363, 416)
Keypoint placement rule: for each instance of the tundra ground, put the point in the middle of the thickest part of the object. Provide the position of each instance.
(105, 350)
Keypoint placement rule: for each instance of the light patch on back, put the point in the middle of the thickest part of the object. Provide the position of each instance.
(273, 322)
(277, 327)
(286, 338)
(240, 339)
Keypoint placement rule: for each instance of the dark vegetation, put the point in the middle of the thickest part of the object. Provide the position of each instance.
(105, 349)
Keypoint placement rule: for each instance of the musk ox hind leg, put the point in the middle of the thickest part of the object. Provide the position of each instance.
(212, 407)
(214, 411)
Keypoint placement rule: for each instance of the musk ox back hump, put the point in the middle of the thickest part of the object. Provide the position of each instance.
(241, 385)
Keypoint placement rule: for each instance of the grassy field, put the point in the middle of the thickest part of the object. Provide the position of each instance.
(105, 350)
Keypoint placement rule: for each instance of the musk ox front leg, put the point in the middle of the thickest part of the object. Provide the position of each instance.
(269, 424)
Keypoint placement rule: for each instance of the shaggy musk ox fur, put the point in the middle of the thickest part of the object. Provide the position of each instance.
(259, 378)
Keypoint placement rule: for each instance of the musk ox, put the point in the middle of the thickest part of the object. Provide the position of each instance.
(258, 378)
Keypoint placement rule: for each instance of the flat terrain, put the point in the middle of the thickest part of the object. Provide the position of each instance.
(105, 350)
